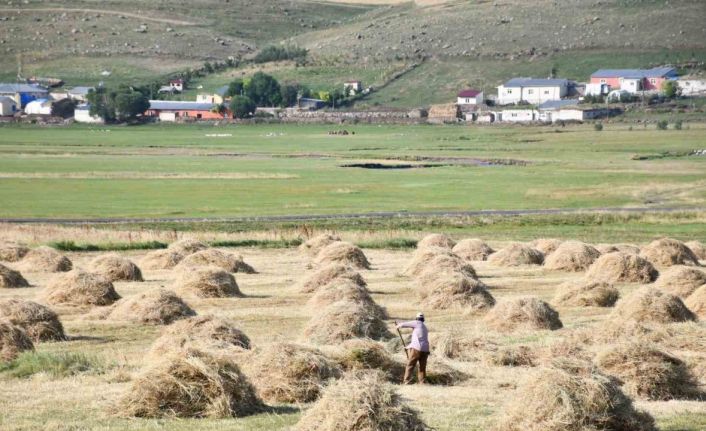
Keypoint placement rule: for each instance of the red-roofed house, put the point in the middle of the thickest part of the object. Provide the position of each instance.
(470, 97)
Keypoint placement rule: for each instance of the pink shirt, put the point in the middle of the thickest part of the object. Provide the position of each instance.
(420, 335)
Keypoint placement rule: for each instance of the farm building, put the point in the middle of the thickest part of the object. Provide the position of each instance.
(692, 86)
(570, 110)
(177, 84)
(634, 80)
(82, 114)
(351, 88)
(469, 97)
(310, 104)
(531, 90)
(38, 107)
(172, 110)
(517, 115)
(8, 106)
(80, 94)
(443, 113)
(218, 97)
(23, 93)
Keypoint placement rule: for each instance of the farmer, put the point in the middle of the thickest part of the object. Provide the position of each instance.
(417, 350)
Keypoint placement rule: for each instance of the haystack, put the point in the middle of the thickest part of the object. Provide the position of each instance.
(12, 252)
(362, 354)
(454, 290)
(212, 257)
(585, 293)
(116, 268)
(13, 341)
(472, 249)
(647, 372)
(327, 274)
(40, 323)
(207, 282)
(190, 384)
(622, 267)
(668, 252)
(291, 373)
(314, 245)
(697, 247)
(360, 401)
(153, 307)
(516, 254)
(512, 356)
(612, 248)
(459, 346)
(342, 252)
(45, 259)
(435, 260)
(436, 240)
(342, 321)
(696, 302)
(202, 333)
(187, 246)
(572, 256)
(10, 278)
(546, 245)
(681, 281)
(526, 313)
(565, 397)
(162, 259)
(649, 305)
(348, 291)
(80, 288)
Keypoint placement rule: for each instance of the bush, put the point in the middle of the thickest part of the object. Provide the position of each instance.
(678, 125)
(279, 53)
(598, 127)
(662, 125)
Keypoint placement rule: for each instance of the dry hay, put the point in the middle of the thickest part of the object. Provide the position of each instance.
(153, 307)
(622, 267)
(212, 257)
(454, 290)
(187, 246)
(40, 323)
(512, 356)
(361, 401)
(342, 252)
(522, 313)
(568, 397)
(207, 282)
(649, 305)
(348, 291)
(546, 245)
(12, 252)
(202, 333)
(623, 248)
(45, 259)
(434, 260)
(436, 240)
(681, 281)
(585, 293)
(327, 274)
(116, 268)
(647, 372)
(565, 348)
(291, 373)
(460, 347)
(696, 302)
(573, 256)
(362, 354)
(342, 321)
(314, 245)
(668, 252)
(161, 259)
(516, 254)
(697, 247)
(13, 341)
(80, 288)
(472, 249)
(190, 384)
(10, 278)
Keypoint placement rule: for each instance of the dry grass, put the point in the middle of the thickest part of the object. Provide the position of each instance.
(460, 347)
(327, 274)
(342, 321)
(516, 254)
(344, 253)
(527, 313)
(207, 333)
(572, 256)
(207, 282)
(12, 252)
(80, 288)
(472, 249)
(13, 341)
(213, 257)
(153, 307)
(697, 247)
(623, 248)
(435, 260)
(585, 293)
(9, 278)
(622, 267)
(39, 322)
(162, 259)
(696, 302)
(546, 245)
(681, 281)
(115, 267)
(668, 252)
(454, 290)
(436, 240)
(362, 354)
(649, 305)
(45, 259)
(347, 291)
(187, 246)
(512, 356)
(314, 245)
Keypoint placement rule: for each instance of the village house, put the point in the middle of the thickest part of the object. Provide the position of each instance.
(23, 93)
(169, 110)
(310, 104)
(218, 97)
(351, 88)
(177, 84)
(631, 80)
(8, 106)
(469, 97)
(532, 90)
(82, 114)
(692, 86)
(79, 94)
(38, 107)
(571, 110)
(517, 115)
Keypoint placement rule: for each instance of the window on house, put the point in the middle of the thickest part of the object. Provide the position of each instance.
(603, 81)
(653, 81)
(509, 91)
(546, 91)
(530, 91)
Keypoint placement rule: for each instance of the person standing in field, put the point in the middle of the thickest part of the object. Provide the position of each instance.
(417, 350)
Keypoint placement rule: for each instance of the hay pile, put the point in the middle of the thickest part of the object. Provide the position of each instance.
(623, 248)
(116, 268)
(207, 333)
(586, 293)
(190, 384)
(454, 290)
(512, 356)
(546, 245)
(436, 240)
(568, 397)
(153, 307)
(347, 291)
(40, 323)
(696, 302)
(668, 252)
(432, 261)
(290, 373)
(10, 278)
(342, 252)
(460, 347)
(361, 401)
(343, 321)
(314, 245)
(212, 257)
(698, 248)
(12, 252)
(45, 259)
(187, 246)
(13, 341)
(527, 313)
(573, 256)
(516, 254)
(647, 372)
(80, 288)
(327, 274)
(472, 249)
(622, 267)
(360, 354)
(207, 282)
(681, 281)
(649, 305)
(162, 259)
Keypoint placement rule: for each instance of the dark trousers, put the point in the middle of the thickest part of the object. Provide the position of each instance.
(414, 357)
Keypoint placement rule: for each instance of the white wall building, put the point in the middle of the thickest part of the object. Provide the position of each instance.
(517, 116)
(8, 106)
(39, 107)
(692, 87)
(82, 114)
(469, 97)
(531, 90)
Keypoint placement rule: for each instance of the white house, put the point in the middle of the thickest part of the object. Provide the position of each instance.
(82, 115)
(8, 106)
(517, 115)
(469, 97)
(351, 88)
(39, 107)
(80, 94)
(692, 87)
(23, 93)
(531, 90)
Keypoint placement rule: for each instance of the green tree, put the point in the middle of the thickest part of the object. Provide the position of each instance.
(289, 95)
(63, 108)
(264, 90)
(129, 104)
(101, 106)
(235, 88)
(670, 89)
(242, 106)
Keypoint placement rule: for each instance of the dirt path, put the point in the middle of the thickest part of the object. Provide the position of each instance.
(100, 11)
